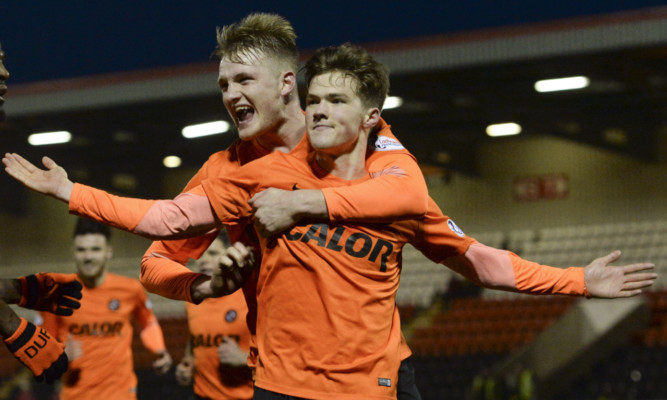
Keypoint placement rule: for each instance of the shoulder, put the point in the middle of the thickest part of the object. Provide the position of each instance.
(222, 158)
(383, 139)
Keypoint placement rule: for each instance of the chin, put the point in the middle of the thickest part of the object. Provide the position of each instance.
(248, 133)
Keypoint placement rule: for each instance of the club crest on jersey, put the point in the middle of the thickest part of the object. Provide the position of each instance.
(231, 315)
(455, 228)
(384, 143)
(114, 304)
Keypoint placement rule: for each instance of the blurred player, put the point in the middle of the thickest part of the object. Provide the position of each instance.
(217, 351)
(98, 337)
(58, 293)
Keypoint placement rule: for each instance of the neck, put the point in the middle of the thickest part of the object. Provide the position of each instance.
(289, 133)
(349, 165)
(93, 281)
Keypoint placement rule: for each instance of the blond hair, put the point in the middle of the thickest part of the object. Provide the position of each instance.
(258, 35)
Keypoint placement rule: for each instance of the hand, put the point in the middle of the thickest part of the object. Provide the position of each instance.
(234, 269)
(47, 291)
(43, 355)
(230, 353)
(184, 371)
(275, 210)
(607, 281)
(162, 363)
(52, 181)
(73, 348)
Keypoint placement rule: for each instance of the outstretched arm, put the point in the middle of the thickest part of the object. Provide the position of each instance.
(443, 242)
(504, 270)
(190, 214)
(607, 281)
(52, 182)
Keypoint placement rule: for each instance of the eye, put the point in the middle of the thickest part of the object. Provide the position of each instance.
(311, 101)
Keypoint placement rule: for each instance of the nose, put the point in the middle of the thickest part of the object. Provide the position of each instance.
(321, 111)
(232, 93)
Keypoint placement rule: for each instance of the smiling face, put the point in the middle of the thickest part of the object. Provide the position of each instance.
(335, 115)
(4, 75)
(91, 254)
(251, 92)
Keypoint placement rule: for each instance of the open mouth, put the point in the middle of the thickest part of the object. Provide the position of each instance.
(244, 114)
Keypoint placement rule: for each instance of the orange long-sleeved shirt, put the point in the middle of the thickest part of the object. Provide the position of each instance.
(229, 200)
(103, 327)
(163, 268)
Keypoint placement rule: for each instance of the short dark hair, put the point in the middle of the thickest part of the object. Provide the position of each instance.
(372, 78)
(85, 226)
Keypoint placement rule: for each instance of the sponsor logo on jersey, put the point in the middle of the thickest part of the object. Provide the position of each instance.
(231, 315)
(209, 340)
(384, 143)
(455, 228)
(114, 304)
(106, 328)
(357, 244)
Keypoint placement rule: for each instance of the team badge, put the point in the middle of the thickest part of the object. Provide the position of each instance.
(455, 228)
(383, 143)
(231, 316)
(114, 304)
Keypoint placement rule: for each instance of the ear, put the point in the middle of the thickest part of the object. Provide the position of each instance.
(288, 80)
(371, 118)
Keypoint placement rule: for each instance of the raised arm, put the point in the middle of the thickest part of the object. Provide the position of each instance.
(190, 214)
(52, 182)
(442, 242)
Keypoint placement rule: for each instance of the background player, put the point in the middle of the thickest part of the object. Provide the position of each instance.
(57, 293)
(217, 350)
(98, 337)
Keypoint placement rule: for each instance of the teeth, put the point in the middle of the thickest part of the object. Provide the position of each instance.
(242, 111)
